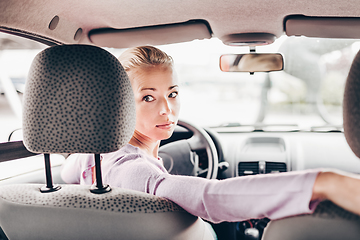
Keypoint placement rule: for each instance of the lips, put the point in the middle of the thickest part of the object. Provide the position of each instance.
(166, 125)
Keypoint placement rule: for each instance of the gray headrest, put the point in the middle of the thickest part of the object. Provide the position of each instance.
(78, 99)
(351, 107)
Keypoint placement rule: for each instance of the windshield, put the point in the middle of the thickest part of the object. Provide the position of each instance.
(306, 95)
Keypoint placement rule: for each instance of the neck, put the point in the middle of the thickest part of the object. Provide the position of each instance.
(146, 144)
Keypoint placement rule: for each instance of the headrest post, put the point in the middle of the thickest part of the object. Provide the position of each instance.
(99, 188)
(49, 183)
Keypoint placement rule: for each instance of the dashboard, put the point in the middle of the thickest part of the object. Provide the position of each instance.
(249, 153)
(266, 152)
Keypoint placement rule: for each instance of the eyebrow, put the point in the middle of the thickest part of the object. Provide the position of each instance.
(173, 87)
(154, 89)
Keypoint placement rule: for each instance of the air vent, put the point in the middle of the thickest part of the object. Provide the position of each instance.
(252, 168)
(275, 167)
(248, 168)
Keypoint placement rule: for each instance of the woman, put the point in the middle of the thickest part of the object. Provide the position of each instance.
(137, 165)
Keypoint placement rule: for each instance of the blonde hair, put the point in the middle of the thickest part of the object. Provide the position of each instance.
(144, 57)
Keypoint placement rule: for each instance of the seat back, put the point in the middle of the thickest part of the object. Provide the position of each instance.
(327, 222)
(78, 99)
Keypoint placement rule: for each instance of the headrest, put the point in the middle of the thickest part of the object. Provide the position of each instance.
(78, 99)
(351, 107)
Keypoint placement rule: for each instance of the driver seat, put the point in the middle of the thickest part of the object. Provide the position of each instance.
(78, 99)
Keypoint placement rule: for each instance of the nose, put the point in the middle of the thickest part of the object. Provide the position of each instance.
(165, 107)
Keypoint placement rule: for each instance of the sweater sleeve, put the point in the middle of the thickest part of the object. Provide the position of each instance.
(77, 169)
(236, 199)
(71, 169)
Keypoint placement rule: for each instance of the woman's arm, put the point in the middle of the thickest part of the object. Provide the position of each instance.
(341, 188)
(236, 199)
(71, 169)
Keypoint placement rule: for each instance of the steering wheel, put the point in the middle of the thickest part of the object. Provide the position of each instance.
(196, 156)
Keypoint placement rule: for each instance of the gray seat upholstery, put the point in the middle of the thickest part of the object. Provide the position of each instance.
(329, 221)
(351, 107)
(78, 99)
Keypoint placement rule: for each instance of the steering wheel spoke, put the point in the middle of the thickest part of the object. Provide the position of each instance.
(202, 172)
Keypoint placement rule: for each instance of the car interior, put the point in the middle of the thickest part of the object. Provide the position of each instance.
(268, 87)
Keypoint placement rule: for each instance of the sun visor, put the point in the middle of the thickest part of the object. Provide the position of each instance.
(153, 35)
(323, 27)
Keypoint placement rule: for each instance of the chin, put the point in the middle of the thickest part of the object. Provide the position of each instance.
(165, 136)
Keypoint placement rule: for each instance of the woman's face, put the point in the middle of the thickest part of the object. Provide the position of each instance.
(157, 101)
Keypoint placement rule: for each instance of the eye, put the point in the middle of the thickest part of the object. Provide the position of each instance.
(173, 95)
(148, 98)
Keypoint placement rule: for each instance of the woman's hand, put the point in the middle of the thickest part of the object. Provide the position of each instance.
(341, 188)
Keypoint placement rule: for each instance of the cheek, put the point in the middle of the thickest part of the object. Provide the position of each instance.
(141, 111)
(176, 106)
(144, 116)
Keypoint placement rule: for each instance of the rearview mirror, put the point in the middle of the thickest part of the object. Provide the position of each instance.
(252, 62)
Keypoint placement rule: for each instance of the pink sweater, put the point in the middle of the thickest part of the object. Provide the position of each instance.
(235, 199)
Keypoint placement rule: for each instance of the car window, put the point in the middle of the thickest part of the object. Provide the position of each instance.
(25, 165)
(16, 55)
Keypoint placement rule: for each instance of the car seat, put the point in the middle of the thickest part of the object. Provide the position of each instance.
(78, 99)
